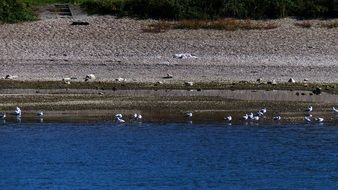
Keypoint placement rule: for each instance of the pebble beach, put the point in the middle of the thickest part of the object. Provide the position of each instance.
(110, 48)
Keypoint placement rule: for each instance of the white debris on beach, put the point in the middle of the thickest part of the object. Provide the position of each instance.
(189, 83)
(185, 56)
(90, 77)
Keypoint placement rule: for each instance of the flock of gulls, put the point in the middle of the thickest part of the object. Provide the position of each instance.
(248, 116)
(17, 112)
(256, 116)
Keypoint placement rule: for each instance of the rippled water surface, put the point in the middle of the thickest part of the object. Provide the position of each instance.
(168, 156)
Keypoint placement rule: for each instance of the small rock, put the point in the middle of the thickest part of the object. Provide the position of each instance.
(158, 83)
(90, 77)
(291, 80)
(303, 94)
(297, 93)
(199, 90)
(306, 85)
(260, 80)
(317, 91)
(273, 82)
(189, 83)
(169, 76)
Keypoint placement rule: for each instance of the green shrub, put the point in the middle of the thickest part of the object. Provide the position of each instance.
(14, 11)
(203, 9)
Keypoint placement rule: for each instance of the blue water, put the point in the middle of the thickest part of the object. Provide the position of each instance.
(168, 156)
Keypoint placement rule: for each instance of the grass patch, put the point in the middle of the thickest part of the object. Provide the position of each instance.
(332, 24)
(43, 2)
(227, 24)
(304, 24)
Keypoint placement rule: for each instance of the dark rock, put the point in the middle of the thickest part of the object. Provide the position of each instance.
(273, 82)
(317, 91)
(169, 76)
(80, 23)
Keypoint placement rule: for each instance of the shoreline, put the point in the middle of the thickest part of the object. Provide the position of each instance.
(90, 101)
(130, 67)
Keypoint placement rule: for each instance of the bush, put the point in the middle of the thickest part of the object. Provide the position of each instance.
(203, 9)
(219, 24)
(14, 11)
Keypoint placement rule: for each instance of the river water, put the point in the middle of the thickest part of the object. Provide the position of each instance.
(104, 155)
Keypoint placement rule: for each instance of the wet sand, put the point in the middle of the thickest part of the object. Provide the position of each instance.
(165, 104)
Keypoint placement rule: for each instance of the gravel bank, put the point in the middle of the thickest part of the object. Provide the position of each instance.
(112, 48)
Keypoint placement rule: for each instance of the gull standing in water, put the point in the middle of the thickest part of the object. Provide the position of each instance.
(277, 118)
(334, 110)
(245, 117)
(17, 112)
(256, 118)
(188, 114)
(2, 115)
(259, 113)
(118, 115)
(118, 118)
(39, 114)
(251, 116)
(319, 119)
(228, 118)
(307, 119)
(137, 116)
